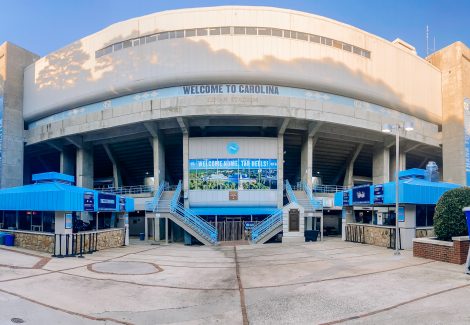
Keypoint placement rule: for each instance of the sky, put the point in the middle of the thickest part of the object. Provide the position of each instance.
(48, 25)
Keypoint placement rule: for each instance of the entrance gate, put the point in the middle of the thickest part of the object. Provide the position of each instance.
(232, 229)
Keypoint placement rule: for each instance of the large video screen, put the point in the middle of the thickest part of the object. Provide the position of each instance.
(232, 174)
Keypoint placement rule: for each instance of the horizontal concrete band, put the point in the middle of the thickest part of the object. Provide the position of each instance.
(233, 105)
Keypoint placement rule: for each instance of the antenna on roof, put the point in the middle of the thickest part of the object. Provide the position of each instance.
(427, 40)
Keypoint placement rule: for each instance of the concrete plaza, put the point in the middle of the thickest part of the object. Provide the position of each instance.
(314, 283)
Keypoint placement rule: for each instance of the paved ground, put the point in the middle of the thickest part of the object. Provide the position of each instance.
(315, 283)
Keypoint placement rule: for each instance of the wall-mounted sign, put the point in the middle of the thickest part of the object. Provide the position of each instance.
(232, 148)
(346, 198)
(122, 203)
(249, 225)
(106, 202)
(379, 194)
(88, 201)
(233, 195)
(68, 221)
(361, 195)
(230, 89)
(401, 214)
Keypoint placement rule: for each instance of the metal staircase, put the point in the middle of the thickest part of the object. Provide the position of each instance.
(152, 205)
(307, 200)
(267, 228)
(191, 222)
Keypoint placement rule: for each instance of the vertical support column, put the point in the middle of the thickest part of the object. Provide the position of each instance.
(158, 161)
(381, 165)
(67, 163)
(85, 166)
(186, 168)
(146, 227)
(348, 176)
(306, 161)
(280, 170)
(156, 225)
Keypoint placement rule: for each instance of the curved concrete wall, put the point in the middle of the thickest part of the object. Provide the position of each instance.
(392, 77)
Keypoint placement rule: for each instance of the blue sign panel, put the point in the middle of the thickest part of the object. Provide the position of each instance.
(401, 214)
(89, 201)
(122, 203)
(361, 195)
(249, 225)
(106, 202)
(345, 198)
(68, 221)
(379, 194)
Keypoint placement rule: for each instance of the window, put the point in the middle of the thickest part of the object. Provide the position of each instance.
(201, 32)
(251, 31)
(276, 32)
(190, 32)
(214, 31)
(233, 30)
(239, 30)
(425, 215)
(264, 31)
(224, 30)
(315, 38)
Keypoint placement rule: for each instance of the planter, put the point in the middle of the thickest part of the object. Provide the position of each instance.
(450, 252)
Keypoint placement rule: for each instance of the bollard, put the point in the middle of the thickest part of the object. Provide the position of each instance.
(81, 246)
(60, 246)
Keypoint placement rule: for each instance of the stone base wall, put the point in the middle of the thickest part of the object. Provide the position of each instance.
(367, 234)
(106, 239)
(424, 232)
(34, 241)
(450, 252)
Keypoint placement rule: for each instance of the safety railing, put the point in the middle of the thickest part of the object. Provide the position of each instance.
(126, 190)
(290, 193)
(317, 204)
(266, 226)
(152, 205)
(328, 188)
(71, 245)
(191, 219)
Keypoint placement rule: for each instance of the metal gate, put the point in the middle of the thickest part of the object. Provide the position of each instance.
(232, 229)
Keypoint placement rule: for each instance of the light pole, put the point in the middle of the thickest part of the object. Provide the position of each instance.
(387, 128)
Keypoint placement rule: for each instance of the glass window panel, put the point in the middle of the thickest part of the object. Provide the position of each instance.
(347, 47)
(327, 41)
(163, 36)
(251, 31)
(357, 50)
(337, 44)
(264, 31)
(201, 31)
(117, 47)
(107, 50)
(302, 36)
(286, 33)
(239, 30)
(150, 39)
(366, 54)
(315, 38)
(98, 54)
(179, 34)
(127, 44)
(171, 34)
(190, 32)
(293, 34)
(136, 42)
(142, 40)
(214, 31)
(224, 30)
(276, 32)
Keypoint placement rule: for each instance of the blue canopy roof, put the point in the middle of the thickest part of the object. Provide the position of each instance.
(412, 190)
(53, 196)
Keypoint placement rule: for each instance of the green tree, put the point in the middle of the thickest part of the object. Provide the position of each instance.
(449, 220)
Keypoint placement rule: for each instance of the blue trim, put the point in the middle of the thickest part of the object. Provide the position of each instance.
(238, 211)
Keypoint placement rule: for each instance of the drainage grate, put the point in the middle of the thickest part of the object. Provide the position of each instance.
(17, 320)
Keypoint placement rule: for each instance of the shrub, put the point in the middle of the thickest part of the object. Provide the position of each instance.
(449, 220)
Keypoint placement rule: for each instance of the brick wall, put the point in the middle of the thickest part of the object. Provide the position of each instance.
(450, 252)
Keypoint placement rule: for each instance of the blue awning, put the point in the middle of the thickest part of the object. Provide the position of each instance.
(51, 196)
(234, 211)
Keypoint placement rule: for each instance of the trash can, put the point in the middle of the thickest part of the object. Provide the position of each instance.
(142, 236)
(10, 240)
(311, 235)
(2, 238)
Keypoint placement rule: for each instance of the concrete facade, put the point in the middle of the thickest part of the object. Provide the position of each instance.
(454, 63)
(13, 60)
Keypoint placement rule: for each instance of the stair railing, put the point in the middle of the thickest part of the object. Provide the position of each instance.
(153, 205)
(191, 219)
(267, 225)
(317, 204)
(290, 193)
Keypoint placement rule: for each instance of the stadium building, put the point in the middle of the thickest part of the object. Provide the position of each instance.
(217, 119)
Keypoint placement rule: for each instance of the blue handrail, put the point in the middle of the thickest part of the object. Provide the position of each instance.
(191, 219)
(290, 193)
(267, 225)
(317, 204)
(153, 205)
